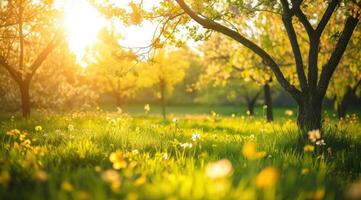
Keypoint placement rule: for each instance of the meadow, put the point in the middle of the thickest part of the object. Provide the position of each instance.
(114, 155)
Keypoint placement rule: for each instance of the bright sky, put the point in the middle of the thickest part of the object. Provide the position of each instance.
(83, 23)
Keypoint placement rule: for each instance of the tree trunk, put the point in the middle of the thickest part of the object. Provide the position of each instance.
(268, 102)
(250, 106)
(343, 104)
(162, 98)
(25, 99)
(309, 114)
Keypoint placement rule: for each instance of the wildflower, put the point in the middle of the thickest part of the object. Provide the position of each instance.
(67, 187)
(97, 168)
(305, 171)
(165, 156)
(13, 133)
(314, 135)
(186, 145)
(320, 143)
(39, 150)
(147, 108)
(4, 178)
(38, 128)
(22, 137)
(220, 169)
(309, 148)
(196, 137)
(268, 177)
(119, 110)
(233, 115)
(41, 176)
(289, 113)
(248, 112)
(175, 120)
(117, 159)
(113, 178)
(70, 127)
(135, 152)
(26, 143)
(249, 151)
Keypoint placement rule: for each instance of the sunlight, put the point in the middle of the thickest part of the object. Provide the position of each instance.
(82, 24)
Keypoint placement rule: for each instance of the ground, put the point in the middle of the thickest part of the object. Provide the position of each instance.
(109, 155)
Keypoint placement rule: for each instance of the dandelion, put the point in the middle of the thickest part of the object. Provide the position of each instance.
(13, 133)
(196, 137)
(314, 135)
(146, 108)
(175, 120)
(248, 112)
(289, 113)
(41, 176)
(309, 148)
(38, 128)
(67, 187)
(233, 115)
(117, 159)
(135, 152)
(97, 168)
(220, 169)
(40, 151)
(305, 171)
(268, 177)
(26, 143)
(165, 156)
(249, 151)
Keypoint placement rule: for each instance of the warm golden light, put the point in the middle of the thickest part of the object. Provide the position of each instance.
(82, 24)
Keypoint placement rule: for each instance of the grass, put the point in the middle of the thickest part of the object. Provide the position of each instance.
(107, 155)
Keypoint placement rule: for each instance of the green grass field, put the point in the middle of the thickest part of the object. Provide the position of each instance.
(196, 155)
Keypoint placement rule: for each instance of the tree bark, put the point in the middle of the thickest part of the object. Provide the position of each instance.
(268, 102)
(250, 106)
(310, 113)
(25, 99)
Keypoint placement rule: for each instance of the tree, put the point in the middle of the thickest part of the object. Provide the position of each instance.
(114, 69)
(25, 27)
(241, 65)
(346, 84)
(221, 16)
(166, 69)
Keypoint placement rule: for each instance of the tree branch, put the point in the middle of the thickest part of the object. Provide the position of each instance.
(43, 55)
(337, 54)
(326, 17)
(287, 21)
(209, 24)
(12, 71)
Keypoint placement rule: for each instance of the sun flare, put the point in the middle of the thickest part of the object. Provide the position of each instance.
(82, 23)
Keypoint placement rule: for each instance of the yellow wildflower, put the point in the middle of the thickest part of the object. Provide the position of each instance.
(40, 151)
(117, 159)
(13, 133)
(112, 177)
(314, 135)
(268, 177)
(38, 128)
(67, 187)
(309, 148)
(249, 151)
(305, 171)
